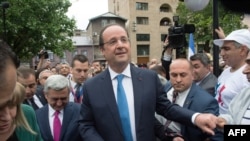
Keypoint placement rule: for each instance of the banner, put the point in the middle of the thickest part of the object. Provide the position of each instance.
(191, 50)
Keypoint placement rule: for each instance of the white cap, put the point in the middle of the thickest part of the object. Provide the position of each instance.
(241, 36)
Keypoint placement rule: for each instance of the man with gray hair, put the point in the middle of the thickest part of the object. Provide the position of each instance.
(58, 120)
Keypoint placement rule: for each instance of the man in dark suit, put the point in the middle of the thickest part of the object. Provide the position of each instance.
(192, 97)
(41, 78)
(202, 72)
(26, 76)
(57, 94)
(143, 93)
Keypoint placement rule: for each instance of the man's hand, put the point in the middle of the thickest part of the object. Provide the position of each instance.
(221, 122)
(220, 33)
(206, 122)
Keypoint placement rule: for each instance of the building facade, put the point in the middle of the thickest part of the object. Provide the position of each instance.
(148, 23)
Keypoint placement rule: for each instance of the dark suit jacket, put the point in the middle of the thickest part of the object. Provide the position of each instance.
(69, 131)
(40, 94)
(209, 83)
(99, 113)
(199, 100)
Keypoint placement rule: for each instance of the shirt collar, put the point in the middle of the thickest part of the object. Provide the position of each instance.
(126, 72)
(52, 111)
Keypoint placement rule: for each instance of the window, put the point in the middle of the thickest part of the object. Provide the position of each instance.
(142, 37)
(141, 6)
(63, 59)
(74, 53)
(104, 22)
(143, 50)
(112, 21)
(84, 52)
(142, 20)
(165, 8)
(51, 55)
(163, 37)
(165, 22)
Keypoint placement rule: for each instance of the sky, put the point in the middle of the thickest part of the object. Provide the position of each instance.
(83, 10)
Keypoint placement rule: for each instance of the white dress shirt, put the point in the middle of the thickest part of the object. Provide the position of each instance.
(128, 88)
(51, 118)
(180, 99)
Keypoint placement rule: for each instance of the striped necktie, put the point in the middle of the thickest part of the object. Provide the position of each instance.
(175, 94)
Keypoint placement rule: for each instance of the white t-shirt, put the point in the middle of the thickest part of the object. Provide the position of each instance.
(229, 84)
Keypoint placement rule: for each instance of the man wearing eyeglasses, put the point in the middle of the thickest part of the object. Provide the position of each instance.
(122, 107)
(26, 76)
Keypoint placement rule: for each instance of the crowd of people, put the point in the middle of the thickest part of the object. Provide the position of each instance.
(167, 100)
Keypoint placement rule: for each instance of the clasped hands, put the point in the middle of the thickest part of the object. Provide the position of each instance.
(208, 122)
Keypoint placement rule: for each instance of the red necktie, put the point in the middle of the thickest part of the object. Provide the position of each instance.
(57, 126)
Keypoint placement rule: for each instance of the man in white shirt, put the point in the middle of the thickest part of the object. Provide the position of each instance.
(234, 49)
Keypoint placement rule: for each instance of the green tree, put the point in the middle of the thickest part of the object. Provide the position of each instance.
(203, 21)
(32, 25)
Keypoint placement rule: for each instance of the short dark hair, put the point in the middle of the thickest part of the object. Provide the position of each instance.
(6, 54)
(202, 57)
(79, 57)
(101, 42)
(25, 72)
(159, 69)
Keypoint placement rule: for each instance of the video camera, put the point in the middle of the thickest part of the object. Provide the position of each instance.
(176, 37)
(43, 52)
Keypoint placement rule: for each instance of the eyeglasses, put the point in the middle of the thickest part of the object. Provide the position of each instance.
(114, 41)
(30, 85)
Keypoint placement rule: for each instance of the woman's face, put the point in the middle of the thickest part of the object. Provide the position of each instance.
(7, 116)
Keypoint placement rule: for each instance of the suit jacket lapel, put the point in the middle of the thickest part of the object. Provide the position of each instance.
(137, 81)
(67, 114)
(45, 121)
(190, 96)
(109, 97)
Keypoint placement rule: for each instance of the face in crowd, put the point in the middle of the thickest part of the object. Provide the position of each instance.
(57, 94)
(115, 47)
(181, 74)
(26, 77)
(64, 69)
(44, 75)
(232, 53)
(246, 70)
(12, 110)
(80, 71)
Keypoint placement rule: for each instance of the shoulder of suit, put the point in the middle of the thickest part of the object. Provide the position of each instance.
(75, 105)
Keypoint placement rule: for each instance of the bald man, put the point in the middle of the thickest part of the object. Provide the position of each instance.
(192, 97)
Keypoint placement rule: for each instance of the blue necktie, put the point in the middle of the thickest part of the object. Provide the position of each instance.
(78, 91)
(123, 109)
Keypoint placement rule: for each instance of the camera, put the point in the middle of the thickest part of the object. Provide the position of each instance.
(43, 53)
(176, 37)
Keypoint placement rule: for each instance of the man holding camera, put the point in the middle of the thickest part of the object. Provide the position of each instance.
(42, 55)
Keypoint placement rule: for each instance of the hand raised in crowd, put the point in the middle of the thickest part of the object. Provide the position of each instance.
(220, 33)
(206, 122)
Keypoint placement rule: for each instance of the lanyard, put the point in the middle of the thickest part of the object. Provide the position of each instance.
(74, 93)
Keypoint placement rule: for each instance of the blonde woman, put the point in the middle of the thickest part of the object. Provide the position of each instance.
(18, 121)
